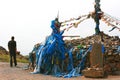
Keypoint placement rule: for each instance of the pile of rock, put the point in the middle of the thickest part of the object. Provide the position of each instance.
(111, 58)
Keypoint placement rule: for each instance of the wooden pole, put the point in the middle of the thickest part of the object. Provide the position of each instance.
(97, 15)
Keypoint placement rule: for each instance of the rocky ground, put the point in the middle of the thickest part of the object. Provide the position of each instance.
(18, 73)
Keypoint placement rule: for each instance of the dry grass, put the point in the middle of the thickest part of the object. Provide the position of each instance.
(6, 58)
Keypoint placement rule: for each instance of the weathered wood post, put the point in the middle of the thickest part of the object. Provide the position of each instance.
(97, 16)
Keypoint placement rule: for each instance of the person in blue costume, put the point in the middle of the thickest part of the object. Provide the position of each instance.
(52, 51)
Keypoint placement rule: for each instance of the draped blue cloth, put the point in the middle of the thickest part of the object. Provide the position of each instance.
(52, 49)
(70, 64)
(51, 56)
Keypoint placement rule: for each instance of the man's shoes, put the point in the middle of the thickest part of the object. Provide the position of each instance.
(15, 64)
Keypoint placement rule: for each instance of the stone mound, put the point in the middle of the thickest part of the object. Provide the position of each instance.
(112, 60)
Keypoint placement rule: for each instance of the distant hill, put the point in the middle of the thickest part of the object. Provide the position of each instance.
(4, 56)
(3, 51)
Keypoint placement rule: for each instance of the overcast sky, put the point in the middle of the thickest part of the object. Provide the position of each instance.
(29, 20)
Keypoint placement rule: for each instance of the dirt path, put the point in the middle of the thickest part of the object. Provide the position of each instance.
(17, 73)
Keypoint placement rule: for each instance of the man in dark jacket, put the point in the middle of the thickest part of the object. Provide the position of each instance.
(12, 50)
